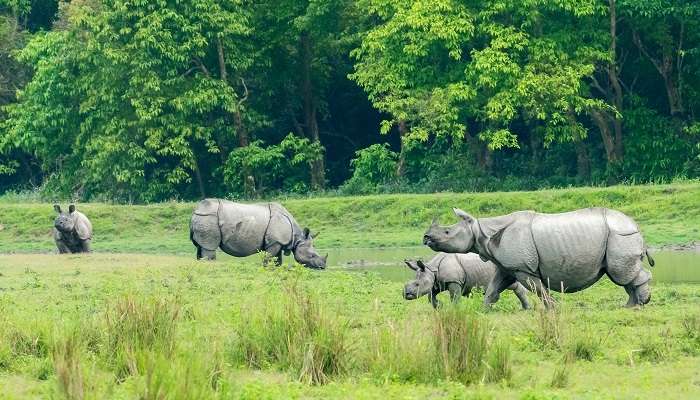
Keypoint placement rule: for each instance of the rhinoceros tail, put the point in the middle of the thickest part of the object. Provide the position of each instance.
(651, 260)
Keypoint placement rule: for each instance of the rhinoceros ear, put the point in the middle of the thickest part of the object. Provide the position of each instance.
(411, 264)
(421, 265)
(71, 208)
(463, 215)
(315, 234)
(57, 208)
(307, 233)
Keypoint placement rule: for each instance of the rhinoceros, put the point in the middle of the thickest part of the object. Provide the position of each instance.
(242, 230)
(72, 231)
(457, 273)
(566, 252)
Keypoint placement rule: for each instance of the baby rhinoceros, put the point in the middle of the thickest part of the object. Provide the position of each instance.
(72, 231)
(457, 273)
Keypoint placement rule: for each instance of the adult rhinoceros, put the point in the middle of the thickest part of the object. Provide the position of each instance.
(244, 229)
(565, 252)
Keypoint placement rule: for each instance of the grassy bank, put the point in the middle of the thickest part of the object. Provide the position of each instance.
(140, 326)
(667, 214)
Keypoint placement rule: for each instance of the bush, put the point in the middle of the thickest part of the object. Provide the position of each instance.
(373, 166)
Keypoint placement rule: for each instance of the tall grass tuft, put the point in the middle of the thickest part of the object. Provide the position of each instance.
(691, 327)
(586, 345)
(68, 367)
(460, 337)
(135, 325)
(187, 376)
(550, 328)
(402, 352)
(294, 332)
(499, 364)
(562, 372)
(654, 348)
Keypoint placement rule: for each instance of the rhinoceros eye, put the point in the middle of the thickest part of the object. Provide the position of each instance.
(447, 232)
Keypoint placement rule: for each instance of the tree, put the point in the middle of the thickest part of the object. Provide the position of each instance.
(440, 66)
(147, 88)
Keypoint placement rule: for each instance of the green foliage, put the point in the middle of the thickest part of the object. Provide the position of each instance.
(138, 102)
(373, 166)
(283, 166)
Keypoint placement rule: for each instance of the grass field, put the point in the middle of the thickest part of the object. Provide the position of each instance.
(667, 214)
(129, 326)
(140, 318)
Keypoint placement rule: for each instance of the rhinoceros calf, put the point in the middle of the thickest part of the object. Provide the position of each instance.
(457, 273)
(72, 231)
(565, 252)
(242, 230)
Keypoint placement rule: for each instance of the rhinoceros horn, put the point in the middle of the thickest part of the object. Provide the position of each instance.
(435, 222)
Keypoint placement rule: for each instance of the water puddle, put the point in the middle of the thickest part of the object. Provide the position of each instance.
(672, 266)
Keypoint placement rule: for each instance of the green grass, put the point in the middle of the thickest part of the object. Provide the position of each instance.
(124, 326)
(667, 214)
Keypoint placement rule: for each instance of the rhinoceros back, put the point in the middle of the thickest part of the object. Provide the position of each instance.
(243, 227)
(571, 247)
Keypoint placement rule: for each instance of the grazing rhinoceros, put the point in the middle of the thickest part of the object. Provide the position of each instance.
(244, 229)
(457, 273)
(72, 231)
(566, 252)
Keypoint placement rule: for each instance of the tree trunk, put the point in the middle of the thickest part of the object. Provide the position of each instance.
(318, 168)
(614, 79)
(601, 121)
(198, 176)
(241, 131)
(401, 166)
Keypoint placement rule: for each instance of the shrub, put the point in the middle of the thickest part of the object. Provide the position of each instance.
(373, 166)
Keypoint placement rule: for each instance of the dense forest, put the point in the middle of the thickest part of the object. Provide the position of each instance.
(151, 100)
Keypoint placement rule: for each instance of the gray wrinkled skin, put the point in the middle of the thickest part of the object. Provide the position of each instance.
(565, 252)
(72, 231)
(458, 273)
(242, 230)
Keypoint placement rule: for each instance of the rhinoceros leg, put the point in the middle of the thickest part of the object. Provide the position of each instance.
(432, 298)
(273, 251)
(521, 292)
(62, 247)
(499, 283)
(455, 290)
(85, 246)
(536, 285)
(206, 254)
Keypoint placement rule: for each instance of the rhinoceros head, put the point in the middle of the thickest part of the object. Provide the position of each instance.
(306, 254)
(64, 222)
(457, 238)
(422, 284)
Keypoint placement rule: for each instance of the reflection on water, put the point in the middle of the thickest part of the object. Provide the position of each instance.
(671, 266)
